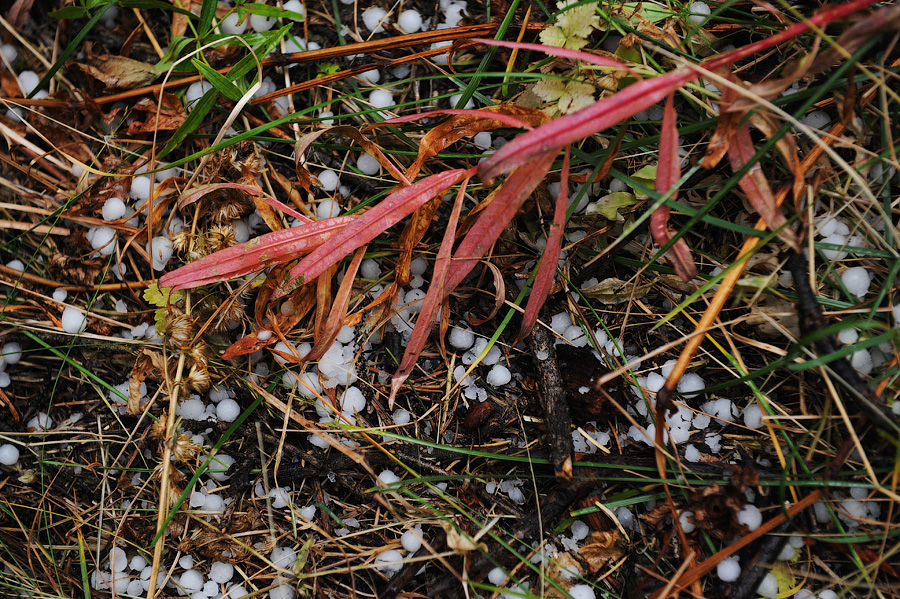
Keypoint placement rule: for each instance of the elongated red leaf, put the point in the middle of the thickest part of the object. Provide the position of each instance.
(639, 96)
(432, 302)
(371, 224)
(756, 186)
(503, 207)
(261, 252)
(543, 280)
(587, 57)
(668, 171)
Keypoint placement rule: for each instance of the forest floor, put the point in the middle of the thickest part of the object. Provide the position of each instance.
(417, 408)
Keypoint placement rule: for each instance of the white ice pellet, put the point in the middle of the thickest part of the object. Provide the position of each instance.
(327, 208)
(582, 591)
(750, 516)
(369, 269)
(410, 21)
(753, 417)
(113, 209)
(401, 416)
(461, 338)
(118, 561)
(381, 98)
(329, 180)
(9, 52)
(862, 361)
(60, 294)
(787, 553)
(73, 320)
(412, 540)
(722, 409)
(219, 465)
(235, 592)
(827, 594)
(228, 410)
(689, 384)
(191, 409)
(140, 188)
(440, 58)
(10, 353)
(388, 478)
(282, 591)
(186, 562)
(728, 570)
(295, 6)
(389, 562)
(352, 401)
(368, 164)
(284, 557)
(373, 17)
(499, 376)
(28, 81)
(454, 102)
(848, 336)
(816, 119)
(102, 239)
(699, 12)
(768, 587)
(191, 580)
(684, 518)
(137, 563)
(580, 530)
(262, 23)
(230, 25)
(835, 239)
(280, 497)
(482, 140)
(161, 252)
(372, 76)
(857, 280)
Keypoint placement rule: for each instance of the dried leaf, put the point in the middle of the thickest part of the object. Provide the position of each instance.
(118, 72)
(757, 188)
(614, 291)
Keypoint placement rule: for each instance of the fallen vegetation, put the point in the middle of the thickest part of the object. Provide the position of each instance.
(450, 300)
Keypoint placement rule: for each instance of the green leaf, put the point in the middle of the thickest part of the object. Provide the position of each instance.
(270, 40)
(175, 51)
(149, 4)
(69, 12)
(268, 10)
(207, 14)
(195, 119)
(649, 11)
(609, 205)
(161, 297)
(218, 80)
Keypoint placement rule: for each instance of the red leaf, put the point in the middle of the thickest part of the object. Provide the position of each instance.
(368, 226)
(261, 252)
(432, 302)
(756, 186)
(635, 98)
(507, 200)
(543, 280)
(667, 174)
